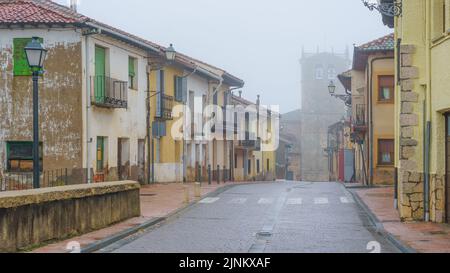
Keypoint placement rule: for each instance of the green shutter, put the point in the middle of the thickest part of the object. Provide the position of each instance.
(21, 67)
(100, 73)
(131, 65)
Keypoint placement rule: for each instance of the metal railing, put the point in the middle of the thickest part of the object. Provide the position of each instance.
(109, 92)
(24, 181)
(360, 115)
(166, 106)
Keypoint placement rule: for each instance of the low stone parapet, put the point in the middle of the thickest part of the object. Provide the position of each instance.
(31, 218)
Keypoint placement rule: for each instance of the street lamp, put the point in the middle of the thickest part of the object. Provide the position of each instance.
(390, 8)
(331, 88)
(171, 53)
(35, 53)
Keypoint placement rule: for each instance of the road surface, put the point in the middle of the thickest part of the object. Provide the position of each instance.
(281, 217)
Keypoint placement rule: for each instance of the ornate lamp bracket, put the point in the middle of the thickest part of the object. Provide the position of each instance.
(392, 9)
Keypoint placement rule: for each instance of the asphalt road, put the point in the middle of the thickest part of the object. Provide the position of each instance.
(286, 217)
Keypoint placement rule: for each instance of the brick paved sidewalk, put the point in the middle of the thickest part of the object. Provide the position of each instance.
(158, 200)
(423, 237)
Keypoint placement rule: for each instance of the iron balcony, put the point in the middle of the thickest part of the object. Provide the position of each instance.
(108, 92)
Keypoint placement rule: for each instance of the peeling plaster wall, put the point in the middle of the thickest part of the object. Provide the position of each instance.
(59, 94)
(199, 86)
(127, 123)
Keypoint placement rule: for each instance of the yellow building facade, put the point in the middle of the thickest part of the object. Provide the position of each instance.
(421, 109)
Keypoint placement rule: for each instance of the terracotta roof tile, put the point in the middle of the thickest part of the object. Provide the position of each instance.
(49, 12)
(383, 43)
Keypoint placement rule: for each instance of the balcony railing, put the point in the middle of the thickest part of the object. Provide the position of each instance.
(108, 92)
(250, 143)
(164, 109)
(359, 119)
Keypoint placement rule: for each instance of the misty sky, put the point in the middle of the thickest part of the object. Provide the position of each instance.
(259, 41)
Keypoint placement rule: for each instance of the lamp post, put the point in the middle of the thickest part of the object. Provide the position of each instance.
(345, 98)
(35, 53)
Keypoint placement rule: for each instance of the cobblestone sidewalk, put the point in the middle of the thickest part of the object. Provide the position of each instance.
(423, 237)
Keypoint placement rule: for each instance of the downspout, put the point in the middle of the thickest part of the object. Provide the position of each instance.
(148, 129)
(88, 102)
(369, 99)
(427, 117)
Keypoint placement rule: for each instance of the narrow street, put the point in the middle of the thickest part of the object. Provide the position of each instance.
(278, 217)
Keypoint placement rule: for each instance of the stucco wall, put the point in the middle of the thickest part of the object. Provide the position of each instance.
(30, 218)
(127, 123)
(59, 94)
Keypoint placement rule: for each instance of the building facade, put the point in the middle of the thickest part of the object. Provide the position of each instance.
(372, 84)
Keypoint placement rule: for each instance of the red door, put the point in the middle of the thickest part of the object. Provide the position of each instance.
(341, 165)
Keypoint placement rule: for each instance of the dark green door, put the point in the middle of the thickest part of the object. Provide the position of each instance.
(100, 73)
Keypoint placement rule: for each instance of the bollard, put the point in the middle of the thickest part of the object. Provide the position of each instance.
(224, 175)
(209, 174)
(197, 190)
(218, 174)
(200, 174)
(186, 195)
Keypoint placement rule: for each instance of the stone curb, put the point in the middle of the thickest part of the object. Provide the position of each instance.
(153, 222)
(380, 228)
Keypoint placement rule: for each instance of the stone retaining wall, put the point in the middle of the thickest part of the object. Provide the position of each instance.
(34, 217)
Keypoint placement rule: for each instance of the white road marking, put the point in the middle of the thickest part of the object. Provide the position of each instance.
(209, 200)
(265, 201)
(320, 201)
(346, 200)
(294, 201)
(238, 201)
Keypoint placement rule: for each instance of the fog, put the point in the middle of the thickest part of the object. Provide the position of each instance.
(259, 41)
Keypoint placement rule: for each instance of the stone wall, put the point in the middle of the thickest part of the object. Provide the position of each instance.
(34, 217)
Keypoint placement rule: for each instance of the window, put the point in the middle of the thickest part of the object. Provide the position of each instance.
(258, 169)
(385, 151)
(331, 73)
(268, 164)
(180, 88)
(19, 156)
(386, 88)
(21, 67)
(319, 72)
(235, 161)
(439, 18)
(249, 166)
(132, 76)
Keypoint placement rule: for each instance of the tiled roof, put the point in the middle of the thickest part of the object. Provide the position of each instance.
(48, 12)
(383, 43)
(37, 12)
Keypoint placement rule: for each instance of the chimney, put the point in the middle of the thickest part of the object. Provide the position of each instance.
(240, 93)
(73, 5)
(258, 100)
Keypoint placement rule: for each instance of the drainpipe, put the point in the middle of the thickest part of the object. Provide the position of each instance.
(369, 104)
(427, 117)
(88, 102)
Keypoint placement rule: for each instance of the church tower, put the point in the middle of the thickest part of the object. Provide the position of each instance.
(319, 109)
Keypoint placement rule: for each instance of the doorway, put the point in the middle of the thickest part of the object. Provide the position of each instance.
(123, 158)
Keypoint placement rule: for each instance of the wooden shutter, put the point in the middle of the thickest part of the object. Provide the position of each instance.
(21, 67)
(184, 90)
(131, 67)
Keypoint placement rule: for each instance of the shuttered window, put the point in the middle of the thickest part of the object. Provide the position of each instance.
(159, 129)
(132, 83)
(160, 92)
(386, 151)
(21, 67)
(19, 156)
(180, 84)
